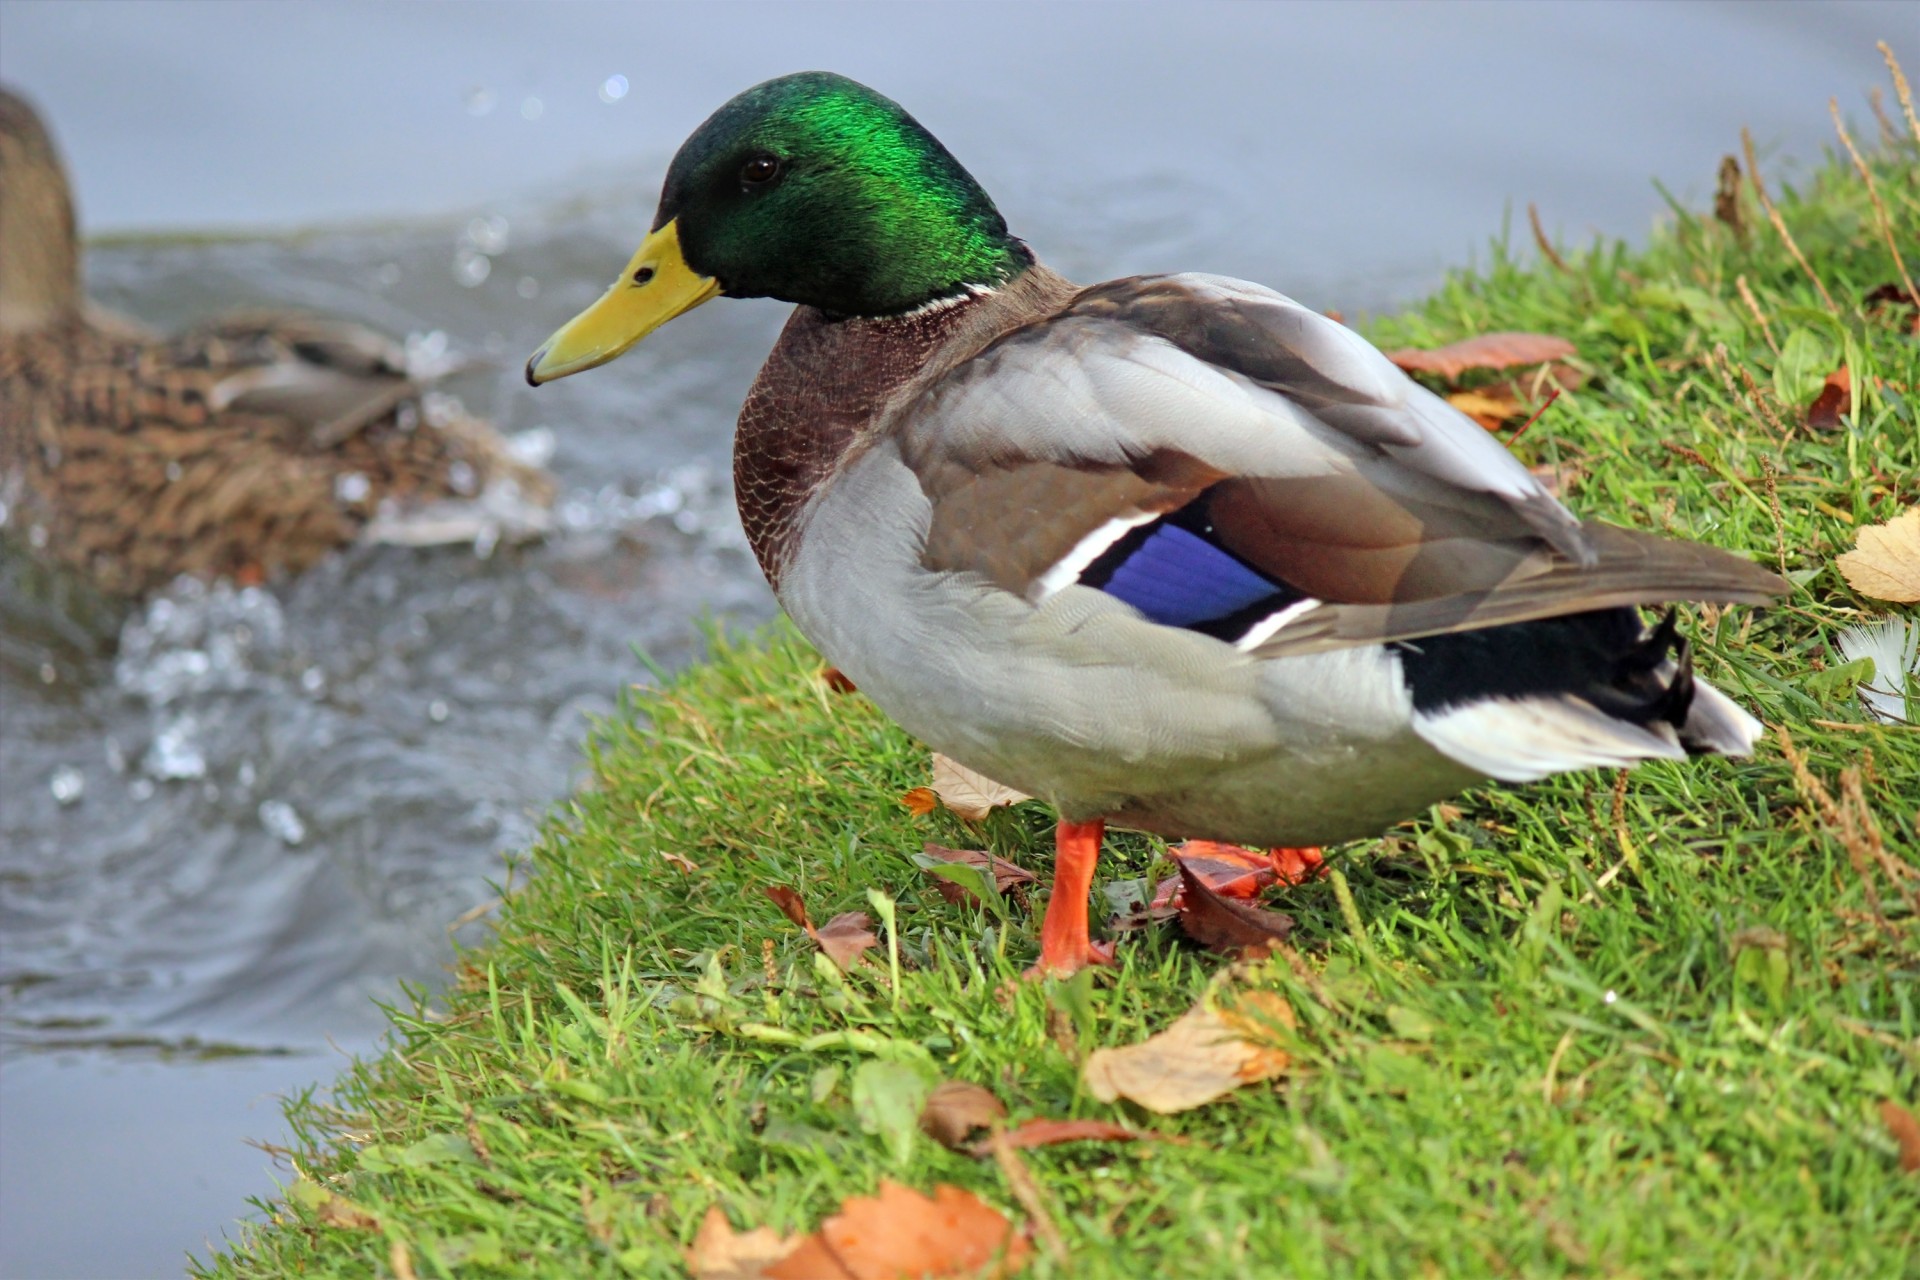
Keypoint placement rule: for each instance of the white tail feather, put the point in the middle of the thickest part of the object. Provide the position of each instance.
(1718, 724)
(1526, 739)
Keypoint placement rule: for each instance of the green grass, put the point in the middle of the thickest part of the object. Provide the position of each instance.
(1581, 1030)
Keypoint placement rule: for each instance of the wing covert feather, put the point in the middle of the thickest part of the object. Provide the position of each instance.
(1321, 465)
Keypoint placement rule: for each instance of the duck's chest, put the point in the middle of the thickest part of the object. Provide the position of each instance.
(817, 403)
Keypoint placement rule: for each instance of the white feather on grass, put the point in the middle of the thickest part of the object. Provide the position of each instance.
(1894, 647)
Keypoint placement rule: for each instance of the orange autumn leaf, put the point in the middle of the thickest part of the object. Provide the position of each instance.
(837, 682)
(920, 801)
(1488, 351)
(1885, 561)
(899, 1234)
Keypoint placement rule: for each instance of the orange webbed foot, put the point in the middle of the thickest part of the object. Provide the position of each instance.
(1297, 866)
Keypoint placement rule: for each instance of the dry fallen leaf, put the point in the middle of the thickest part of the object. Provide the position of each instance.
(1228, 869)
(842, 938)
(1906, 1132)
(837, 682)
(1218, 922)
(1885, 562)
(331, 1208)
(1205, 1054)
(788, 900)
(897, 1234)
(1834, 402)
(1049, 1133)
(920, 801)
(955, 1109)
(720, 1253)
(1492, 408)
(971, 795)
(1006, 875)
(1488, 351)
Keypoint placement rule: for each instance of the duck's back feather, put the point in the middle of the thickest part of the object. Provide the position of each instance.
(1232, 462)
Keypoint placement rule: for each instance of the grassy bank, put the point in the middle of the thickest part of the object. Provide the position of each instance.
(1596, 1026)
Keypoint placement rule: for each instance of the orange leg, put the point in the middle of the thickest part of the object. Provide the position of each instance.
(1065, 947)
(1297, 866)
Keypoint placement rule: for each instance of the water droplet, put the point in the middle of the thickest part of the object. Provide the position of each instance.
(528, 288)
(1610, 997)
(461, 477)
(313, 681)
(532, 108)
(48, 675)
(247, 775)
(37, 536)
(282, 820)
(479, 101)
(437, 710)
(612, 89)
(142, 788)
(351, 487)
(67, 785)
(116, 756)
(174, 473)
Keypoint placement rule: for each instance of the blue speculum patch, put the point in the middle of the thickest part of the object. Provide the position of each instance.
(1177, 579)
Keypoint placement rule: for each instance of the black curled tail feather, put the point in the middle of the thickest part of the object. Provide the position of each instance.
(1608, 658)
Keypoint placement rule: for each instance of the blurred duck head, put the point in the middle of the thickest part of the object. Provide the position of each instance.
(39, 262)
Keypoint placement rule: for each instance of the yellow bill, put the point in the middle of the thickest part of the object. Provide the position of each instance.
(656, 286)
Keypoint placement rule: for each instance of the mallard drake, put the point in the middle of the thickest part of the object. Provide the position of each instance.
(245, 447)
(1172, 552)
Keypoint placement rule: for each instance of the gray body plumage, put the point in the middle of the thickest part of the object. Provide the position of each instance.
(938, 555)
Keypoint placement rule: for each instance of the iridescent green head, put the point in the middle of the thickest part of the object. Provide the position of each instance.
(817, 190)
(809, 188)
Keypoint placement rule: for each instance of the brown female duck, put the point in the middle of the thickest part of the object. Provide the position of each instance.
(247, 447)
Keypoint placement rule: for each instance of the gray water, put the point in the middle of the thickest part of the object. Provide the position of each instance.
(233, 819)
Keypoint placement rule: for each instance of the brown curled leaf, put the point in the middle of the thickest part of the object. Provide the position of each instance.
(1487, 351)
(955, 1109)
(1050, 1133)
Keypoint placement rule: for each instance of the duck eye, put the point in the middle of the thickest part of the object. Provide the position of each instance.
(759, 171)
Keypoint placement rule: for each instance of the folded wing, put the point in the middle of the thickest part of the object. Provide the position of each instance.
(1227, 460)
